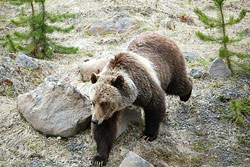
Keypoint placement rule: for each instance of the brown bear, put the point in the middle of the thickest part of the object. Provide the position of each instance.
(152, 66)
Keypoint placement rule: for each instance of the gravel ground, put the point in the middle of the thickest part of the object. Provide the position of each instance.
(193, 134)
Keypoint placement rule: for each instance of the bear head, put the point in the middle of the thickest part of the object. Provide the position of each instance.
(110, 94)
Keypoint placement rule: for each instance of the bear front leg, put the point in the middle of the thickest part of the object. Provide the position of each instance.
(104, 136)
(154, 115)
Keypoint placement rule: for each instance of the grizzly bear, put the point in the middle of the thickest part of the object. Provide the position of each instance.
(152, 66)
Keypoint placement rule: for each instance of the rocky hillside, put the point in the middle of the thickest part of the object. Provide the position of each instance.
(193, 134)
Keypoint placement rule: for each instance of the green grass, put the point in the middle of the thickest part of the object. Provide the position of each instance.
(8, 90)
(222, 97)
(199, 63)
(238, 109)
(216, 84)
(144, 26)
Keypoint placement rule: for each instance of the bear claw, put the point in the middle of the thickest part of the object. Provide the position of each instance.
(98, 161)
(148, 137)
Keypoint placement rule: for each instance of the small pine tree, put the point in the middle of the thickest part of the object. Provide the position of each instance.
(224, 40)
(35, 40)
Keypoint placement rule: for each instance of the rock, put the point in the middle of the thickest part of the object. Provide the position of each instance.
(25, 61)
(98, 27)
(3, 70)
(197, 72)
(119, 23)
(219, 69)
(55, 108)
(45, 64)
(20, 8)
(189, 56)
(133, 160)
(50, 79)
(168, 23)
(6, 59)
(129, 116)
(247, 31)
(94, 65)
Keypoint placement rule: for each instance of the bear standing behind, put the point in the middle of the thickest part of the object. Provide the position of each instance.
(152, 67)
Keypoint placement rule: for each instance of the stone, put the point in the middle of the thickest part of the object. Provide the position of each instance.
(189, 56)
(219, 69)
(49, 79)
(168, 23)
(130, 115)
(94, 65)
(6, 59)
(98, 27)
(3, 70)
(134, 160)
(20, 7)
(118, 23)
(25, 61)
(197, 72)
(247, 31)
(55, 108)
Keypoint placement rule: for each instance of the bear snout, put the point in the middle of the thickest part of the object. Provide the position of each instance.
(94, 121)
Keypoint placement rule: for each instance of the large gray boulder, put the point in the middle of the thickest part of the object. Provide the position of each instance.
(25, 61)
(219, 69)
(134, 160)
(118, 23)
(55, 108)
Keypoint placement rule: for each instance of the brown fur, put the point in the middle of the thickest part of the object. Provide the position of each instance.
(127, 81)
(168, 60)
(104, 135)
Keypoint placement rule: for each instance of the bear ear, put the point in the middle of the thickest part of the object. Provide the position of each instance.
(118, 81)
(94, 78)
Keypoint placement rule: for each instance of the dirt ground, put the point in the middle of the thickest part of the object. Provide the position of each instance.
(193, 134)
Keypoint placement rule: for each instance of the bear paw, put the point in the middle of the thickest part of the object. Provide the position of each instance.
(148, 137)
(185, 98)
(98, 161)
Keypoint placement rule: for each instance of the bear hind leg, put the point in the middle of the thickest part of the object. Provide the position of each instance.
(154, 115)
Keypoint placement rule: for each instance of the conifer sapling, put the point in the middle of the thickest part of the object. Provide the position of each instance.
(224, 40)
(34, 40)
